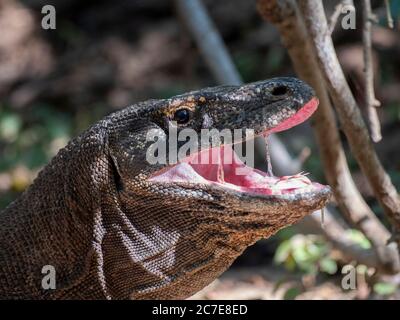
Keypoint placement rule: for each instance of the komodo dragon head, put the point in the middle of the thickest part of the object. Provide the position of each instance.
(120, 213)
(190, 214)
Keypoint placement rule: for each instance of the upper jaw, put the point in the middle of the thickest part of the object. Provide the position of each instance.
(296, 104)
(223, 169)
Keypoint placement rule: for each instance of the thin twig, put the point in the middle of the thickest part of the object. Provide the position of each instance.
(335, 16)
(349, 114)
(370, 101)
(209, 41)
(389, 14)
(343, 4)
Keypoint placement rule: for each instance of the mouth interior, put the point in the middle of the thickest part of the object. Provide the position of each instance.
(221, 166)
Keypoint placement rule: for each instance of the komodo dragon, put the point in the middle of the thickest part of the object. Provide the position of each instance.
(114, 226)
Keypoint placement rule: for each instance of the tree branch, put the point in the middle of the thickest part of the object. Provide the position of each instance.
(348, 111)
(294, 36)
(370, 100)
(389, 14)
(335, 16)
(209, 41)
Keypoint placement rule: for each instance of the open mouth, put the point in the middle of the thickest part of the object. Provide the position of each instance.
(223, 167)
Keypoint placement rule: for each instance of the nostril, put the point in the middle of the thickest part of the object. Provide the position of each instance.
(279, 91)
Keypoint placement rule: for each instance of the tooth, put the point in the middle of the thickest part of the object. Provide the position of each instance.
(220, 172)
(323, 218)
(269, 164)
(221, 177)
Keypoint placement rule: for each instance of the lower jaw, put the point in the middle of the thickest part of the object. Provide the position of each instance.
(227, 171)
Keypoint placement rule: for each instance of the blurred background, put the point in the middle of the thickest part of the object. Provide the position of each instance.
(104, 55)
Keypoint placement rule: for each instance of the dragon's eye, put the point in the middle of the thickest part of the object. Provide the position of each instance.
(182, 116)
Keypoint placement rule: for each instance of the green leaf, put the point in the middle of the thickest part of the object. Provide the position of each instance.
(308, 267)
(315, 251)
(361, 269)
(291, 293)
(286, 233)
(328, 265)
(10, 125)
(290, 263)
(300, 254)
(282, 252)
(358, 238)
(384, 288)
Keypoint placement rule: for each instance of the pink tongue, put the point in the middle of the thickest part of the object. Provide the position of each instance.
(225, 168)
(223, 165)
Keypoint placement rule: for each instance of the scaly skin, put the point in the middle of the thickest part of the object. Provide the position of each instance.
(110, 233)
